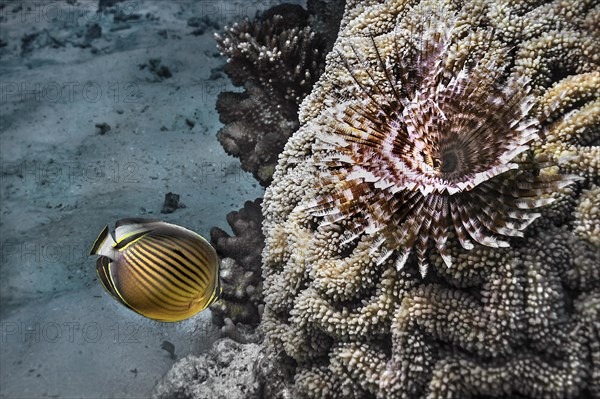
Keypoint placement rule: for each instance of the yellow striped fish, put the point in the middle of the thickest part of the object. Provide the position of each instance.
(159, 270)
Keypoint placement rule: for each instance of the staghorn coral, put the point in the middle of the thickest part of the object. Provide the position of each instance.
(517, 321)
(240, 272)
(277, 59)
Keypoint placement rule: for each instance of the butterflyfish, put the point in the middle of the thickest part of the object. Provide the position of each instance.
(160, 270)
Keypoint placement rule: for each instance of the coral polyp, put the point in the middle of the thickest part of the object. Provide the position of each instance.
(428, 144)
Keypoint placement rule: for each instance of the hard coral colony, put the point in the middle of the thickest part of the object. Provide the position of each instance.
(439, 125)
(277, 60)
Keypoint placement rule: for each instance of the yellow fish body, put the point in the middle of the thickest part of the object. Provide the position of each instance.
(160, 270)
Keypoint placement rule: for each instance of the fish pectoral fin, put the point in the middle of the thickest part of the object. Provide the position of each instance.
(196, 300)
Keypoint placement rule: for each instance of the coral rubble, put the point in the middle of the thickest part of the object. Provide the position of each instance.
(518, 320)
(226, 371)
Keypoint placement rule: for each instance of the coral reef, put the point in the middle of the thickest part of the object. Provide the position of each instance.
(274, 374)
(226, 371)
(241, 300)
(256, 133)
(587, 216)
(518, 320)
(442, 151)
(572, 138)
(277, 58)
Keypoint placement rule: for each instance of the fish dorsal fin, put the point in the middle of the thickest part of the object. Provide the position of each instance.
(127, 227)
(99, 241)
(104, 245)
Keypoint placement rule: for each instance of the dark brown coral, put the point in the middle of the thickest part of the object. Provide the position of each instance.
(277, 59)
(259, 121)
(240, 266)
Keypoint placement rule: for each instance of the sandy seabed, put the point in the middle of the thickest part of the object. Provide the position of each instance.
(102, 114)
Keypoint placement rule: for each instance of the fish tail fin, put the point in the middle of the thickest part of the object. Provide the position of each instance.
(219, 290)
(103, 245)
(217, 293)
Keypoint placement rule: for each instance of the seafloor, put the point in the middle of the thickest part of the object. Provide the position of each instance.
(102, 114)
(108, 108)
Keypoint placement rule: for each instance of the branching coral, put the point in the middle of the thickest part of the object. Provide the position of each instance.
(240, 266)
(277, 59)
(517, 320)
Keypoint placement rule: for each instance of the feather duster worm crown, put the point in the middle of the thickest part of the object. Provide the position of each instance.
(419, 150)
